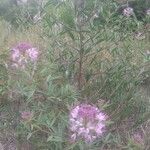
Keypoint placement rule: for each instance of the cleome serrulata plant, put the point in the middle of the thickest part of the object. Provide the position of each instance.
(87, 122)
(22, 54)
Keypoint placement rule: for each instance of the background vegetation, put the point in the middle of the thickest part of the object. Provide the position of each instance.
(89, 53)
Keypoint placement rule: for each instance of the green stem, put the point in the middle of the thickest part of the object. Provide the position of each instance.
(81, 53)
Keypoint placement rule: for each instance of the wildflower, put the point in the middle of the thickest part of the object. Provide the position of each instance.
(138, 138)
(128, 11)
(23, 46)
(26, 115)
(87, 122)
(95, 16)
(22, 54)
(32, 53)
(15, 54)
(148, 12)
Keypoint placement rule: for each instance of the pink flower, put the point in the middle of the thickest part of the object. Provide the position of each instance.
(87, 122)
(26, 115)
(128, 11)
(33, 53)
(15, 54)
(87, 111)
(23, 46)
(22, 54)
(138, 138)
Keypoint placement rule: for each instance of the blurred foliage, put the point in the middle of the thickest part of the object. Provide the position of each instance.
(18, 14)
(3, 80)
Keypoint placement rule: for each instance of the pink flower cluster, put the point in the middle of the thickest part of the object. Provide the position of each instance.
(128, 11)
(26, 115)
(22, 53)
(87, 122)
(138, 138)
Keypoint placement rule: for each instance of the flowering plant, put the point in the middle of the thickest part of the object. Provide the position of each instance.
(128, 12)
(22, 54)
(26, 115)
(86, 122)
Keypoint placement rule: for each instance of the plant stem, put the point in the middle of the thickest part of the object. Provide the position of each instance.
(81, 53)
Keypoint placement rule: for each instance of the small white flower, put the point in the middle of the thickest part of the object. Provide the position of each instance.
(86, 122)
(128, 11)
(74, 112)
(95, 15)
